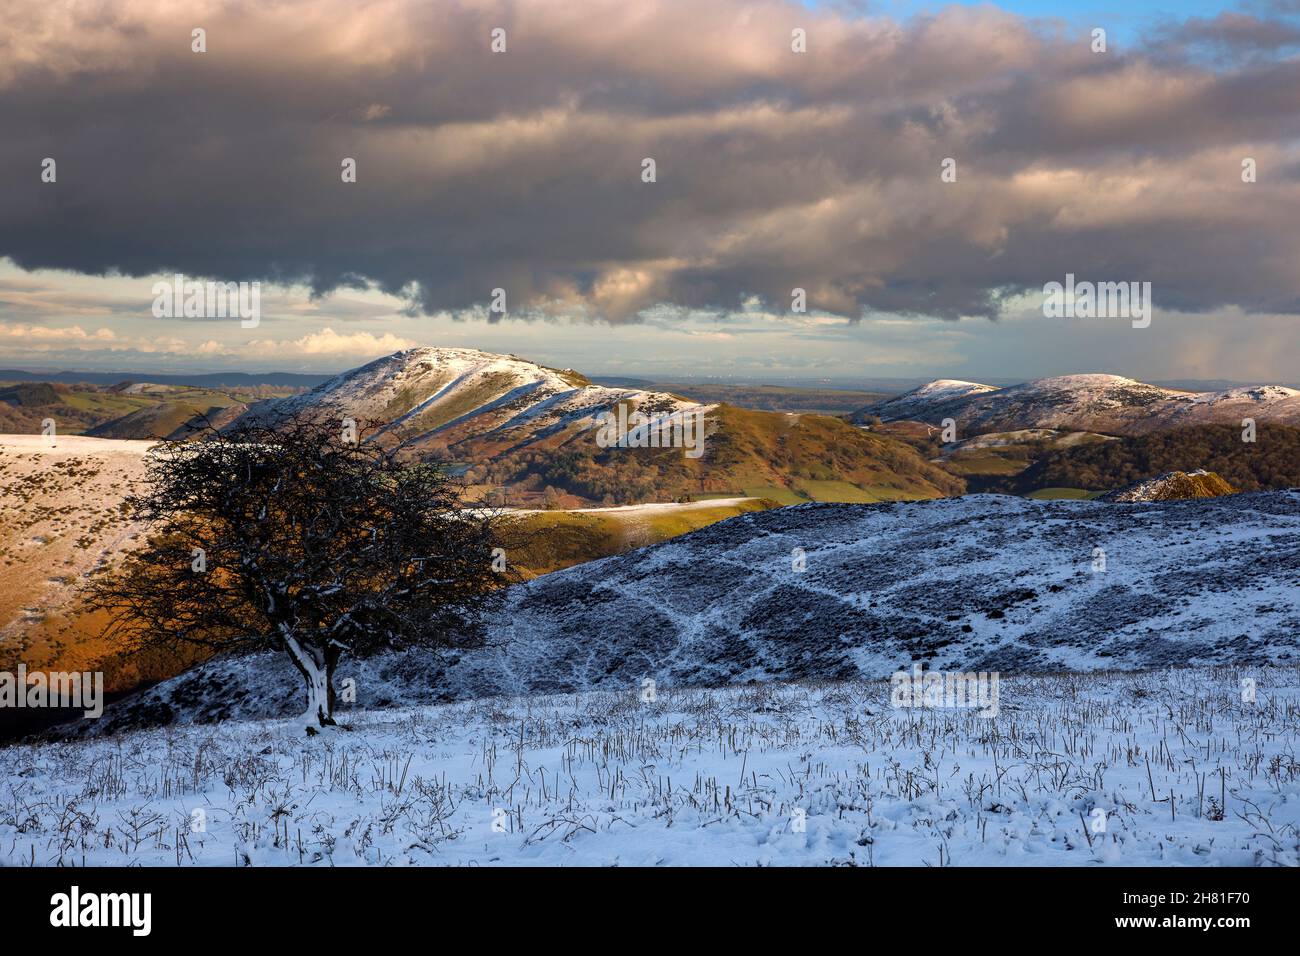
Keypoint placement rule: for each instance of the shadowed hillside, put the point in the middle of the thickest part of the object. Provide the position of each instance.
(786, 457)
(1271, 461)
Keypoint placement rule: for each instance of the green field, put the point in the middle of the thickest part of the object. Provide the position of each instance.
(550, 540)
(1057, 494)
(988, 463)
(845, 492)
(107, 403)
(782, 496)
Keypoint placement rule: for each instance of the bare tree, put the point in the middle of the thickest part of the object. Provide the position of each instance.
(295, 535)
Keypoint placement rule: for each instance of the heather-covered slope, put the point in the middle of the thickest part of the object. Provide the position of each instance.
(979, 583)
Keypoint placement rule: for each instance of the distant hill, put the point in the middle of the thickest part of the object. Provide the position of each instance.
(29, 395)
(171, 419)
(515, 425)
(141, 410)
(25, 406)
(204, 379)
(1109, 404)
(919, 402)
(172, 411)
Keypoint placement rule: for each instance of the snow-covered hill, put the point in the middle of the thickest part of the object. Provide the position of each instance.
(1172, 768)
(1101, 403)
(916, 403)
(442, 396)
(985, 582)
(518, 426)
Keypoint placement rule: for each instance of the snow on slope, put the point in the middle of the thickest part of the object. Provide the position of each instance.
(59, 519)
(776, 774)
(1093, 402)
(466, 393)
(917, 403)
(986, 582)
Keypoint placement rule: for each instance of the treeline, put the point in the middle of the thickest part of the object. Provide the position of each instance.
(25, 406)
(1272, 461)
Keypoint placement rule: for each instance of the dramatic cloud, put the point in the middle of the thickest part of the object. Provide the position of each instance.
(522, 170)
(325, 342)
(36, 334)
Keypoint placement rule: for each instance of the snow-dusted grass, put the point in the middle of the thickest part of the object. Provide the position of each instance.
(1185, 770)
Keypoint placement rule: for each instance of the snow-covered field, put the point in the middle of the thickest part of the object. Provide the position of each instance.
(1180, 767)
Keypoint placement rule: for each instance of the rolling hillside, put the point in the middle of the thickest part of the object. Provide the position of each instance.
(61, 522)
(510, 428)
(170, 419)
(516, 429)
(126, 410)
(1109, 404)
(981, 583)
(24, 407)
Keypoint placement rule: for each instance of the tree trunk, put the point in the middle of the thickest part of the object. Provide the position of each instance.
(317, 668)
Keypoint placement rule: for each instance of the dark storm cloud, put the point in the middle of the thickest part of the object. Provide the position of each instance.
(522, 170)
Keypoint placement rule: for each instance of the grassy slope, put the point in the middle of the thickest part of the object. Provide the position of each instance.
(161, 419)
(559, 539)
(24, 408)
(1062, 494)
(101, 412)
(824, 458)
(786, 457)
